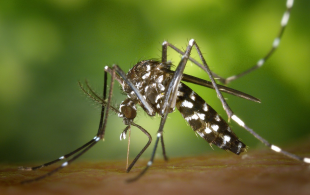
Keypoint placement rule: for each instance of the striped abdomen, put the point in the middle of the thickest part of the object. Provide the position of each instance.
(205, 121)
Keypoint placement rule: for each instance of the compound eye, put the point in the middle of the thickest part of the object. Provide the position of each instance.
(129, 112)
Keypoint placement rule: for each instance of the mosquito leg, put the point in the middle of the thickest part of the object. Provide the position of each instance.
(269, 145)
(206, 68)
(105, 112)
(56, 160)
(92, 143)
(275, 44)
(260, 63)
(159, 134)
(73, 152)
(102, 114)
(163, 147)
(143, 149)
(171, 93)
(88, 145)
(148, 164)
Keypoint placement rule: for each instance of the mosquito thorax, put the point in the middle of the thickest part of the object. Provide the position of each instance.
(150, 78)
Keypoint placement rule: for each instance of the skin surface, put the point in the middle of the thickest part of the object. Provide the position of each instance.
(255, 172)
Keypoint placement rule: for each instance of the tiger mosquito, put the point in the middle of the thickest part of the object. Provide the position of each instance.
(159, 90)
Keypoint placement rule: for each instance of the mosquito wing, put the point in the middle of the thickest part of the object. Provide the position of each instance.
(198, 81)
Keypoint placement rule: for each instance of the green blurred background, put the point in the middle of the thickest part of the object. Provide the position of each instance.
(46, 46)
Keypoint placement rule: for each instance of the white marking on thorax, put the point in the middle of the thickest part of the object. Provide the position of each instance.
(161, 87)
(158, 97)
(180, 93)
(160, 79)
(139, 85)
(146, 75)
(148, 67)
(146, 88)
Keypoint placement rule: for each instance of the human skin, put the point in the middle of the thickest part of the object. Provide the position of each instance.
(255, 172)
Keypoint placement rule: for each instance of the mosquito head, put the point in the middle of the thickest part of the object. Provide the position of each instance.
(128, 111)
(129, 114)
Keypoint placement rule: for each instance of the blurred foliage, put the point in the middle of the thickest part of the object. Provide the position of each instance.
(49, 45)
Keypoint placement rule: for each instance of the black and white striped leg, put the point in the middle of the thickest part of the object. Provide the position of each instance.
(123, 136)
(260, 62)
(265, 142)
(85, 147)
(58, 159)
(163, 148)
(275, 44)
(92, 143)
(149, 164)
(143, 149)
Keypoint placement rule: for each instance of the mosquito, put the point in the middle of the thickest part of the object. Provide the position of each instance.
(159, 90)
